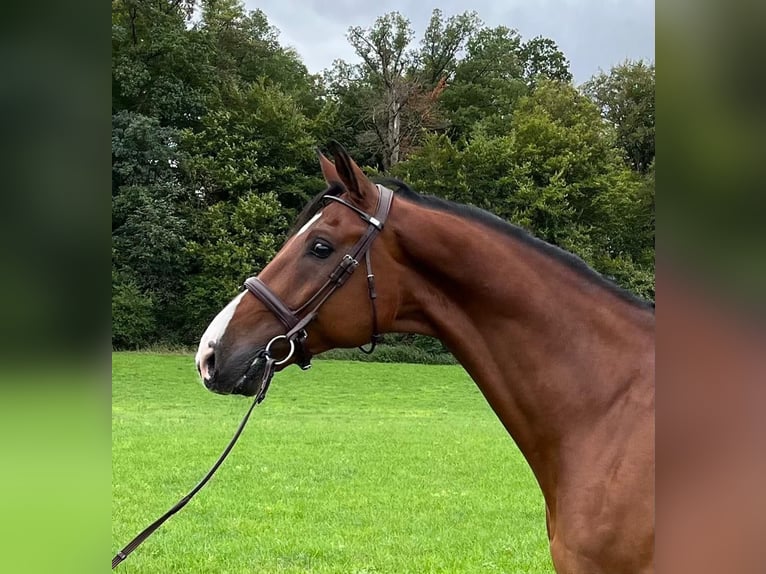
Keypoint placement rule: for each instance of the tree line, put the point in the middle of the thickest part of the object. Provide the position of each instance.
(215, 124)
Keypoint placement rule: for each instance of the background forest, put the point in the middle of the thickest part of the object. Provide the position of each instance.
(215, 124)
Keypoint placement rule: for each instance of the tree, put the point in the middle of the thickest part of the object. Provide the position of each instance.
(149, 226)
(542, 59)
(260, 142)
(211, 155)
(397, 88)
(383, 49)
(626, 98)
(577, 192)
(487, 82)
(556, 172)
(133, 315)
(245, 50)
(214, 126)
(443, 39)
(461, 74)
(160, 68)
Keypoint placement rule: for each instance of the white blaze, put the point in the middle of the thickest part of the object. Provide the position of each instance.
(214, 332)
(308, 224)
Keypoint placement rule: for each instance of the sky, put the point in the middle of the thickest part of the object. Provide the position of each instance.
(593, 34)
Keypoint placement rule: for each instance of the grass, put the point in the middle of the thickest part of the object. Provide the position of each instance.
(347, 468)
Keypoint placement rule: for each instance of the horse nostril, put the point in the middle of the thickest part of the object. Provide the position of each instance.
(210, 364)
(206, 363)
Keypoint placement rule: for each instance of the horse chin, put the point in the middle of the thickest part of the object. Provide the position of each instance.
(249, 384)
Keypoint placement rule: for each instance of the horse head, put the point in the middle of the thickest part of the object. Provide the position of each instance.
(308, 299)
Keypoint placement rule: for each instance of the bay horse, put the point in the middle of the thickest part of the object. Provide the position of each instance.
(563, 356)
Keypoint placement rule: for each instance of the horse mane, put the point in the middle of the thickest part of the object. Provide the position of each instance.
(473, 213)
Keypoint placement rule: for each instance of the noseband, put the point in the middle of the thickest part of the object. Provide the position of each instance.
(295, 321)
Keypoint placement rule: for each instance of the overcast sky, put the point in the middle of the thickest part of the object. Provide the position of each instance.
(593, 34)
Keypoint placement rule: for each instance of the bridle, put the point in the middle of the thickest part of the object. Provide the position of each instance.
(296, 321)
(295, 336)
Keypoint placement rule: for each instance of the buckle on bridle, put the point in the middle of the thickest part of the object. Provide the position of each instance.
(376, 222)
(343, 271)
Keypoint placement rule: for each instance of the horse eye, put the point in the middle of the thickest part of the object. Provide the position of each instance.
(321, 249)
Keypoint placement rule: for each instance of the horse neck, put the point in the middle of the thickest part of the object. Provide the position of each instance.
(549, 349)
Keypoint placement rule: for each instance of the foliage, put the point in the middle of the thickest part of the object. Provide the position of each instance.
(392, 354)
(211, 158)
(626, 98)
(555, 172)
(214, 125)
(462, 73)
(259, 142)
(542, 59)
(133, 321)
(149, 224)
(400, 86)
(443, 39)
(487, 82)
(159, 68)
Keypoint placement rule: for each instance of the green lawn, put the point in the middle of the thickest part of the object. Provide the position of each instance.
(346, 468)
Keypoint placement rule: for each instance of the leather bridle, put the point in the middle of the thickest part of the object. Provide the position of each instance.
(296, 321)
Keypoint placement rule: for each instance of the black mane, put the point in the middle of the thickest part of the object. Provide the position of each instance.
(490, 220)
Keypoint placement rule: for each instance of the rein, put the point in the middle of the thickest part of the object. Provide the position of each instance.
(295, 336)
(268, 373)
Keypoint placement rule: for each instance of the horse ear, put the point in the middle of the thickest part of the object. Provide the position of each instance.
(328, 169)
(357, 183)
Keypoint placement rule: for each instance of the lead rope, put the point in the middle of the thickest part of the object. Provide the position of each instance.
(146, 532)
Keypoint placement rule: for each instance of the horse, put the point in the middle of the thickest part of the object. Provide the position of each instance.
(564, 357)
